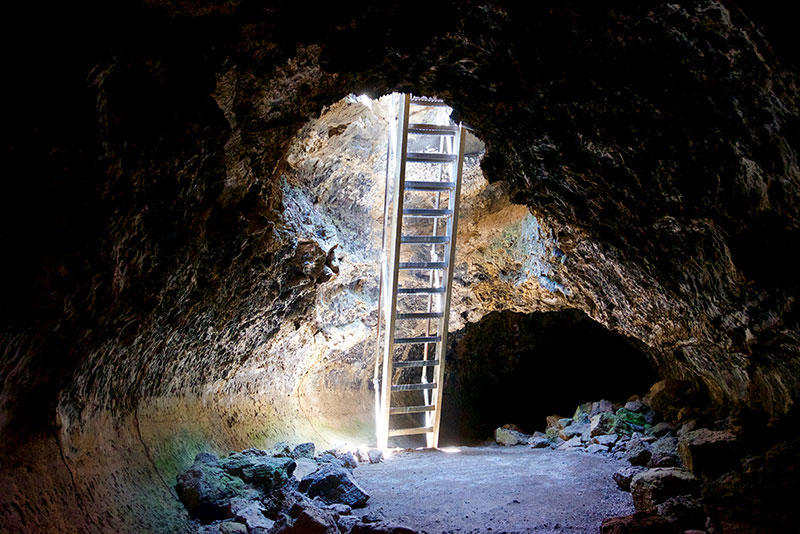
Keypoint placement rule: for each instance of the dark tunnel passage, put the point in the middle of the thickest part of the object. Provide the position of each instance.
(519, 368)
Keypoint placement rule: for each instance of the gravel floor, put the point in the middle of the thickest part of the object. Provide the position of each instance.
(495, 489)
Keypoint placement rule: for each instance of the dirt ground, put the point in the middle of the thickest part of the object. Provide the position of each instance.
(494, 489)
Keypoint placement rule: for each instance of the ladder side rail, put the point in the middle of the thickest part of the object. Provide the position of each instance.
(450, 254)
(383, 275)
(397, 224)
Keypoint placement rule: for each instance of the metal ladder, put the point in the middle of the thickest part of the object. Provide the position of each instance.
(416, 221)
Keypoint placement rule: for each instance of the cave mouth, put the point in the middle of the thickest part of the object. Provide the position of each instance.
(519, 368)
(517, 351)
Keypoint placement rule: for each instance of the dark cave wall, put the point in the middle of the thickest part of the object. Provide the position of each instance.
(151, 263)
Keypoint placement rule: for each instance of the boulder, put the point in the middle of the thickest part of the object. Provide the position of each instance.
(662, 429)
(601, 423)
(205, 488)
(571, 444)
(281, 449)
(232, 527)
(339, 458)
(708, 452)
(313, 520)
(601, 406)
(624, 476)
(508, 436)
(638, 523)
(575, 429)
(554, 423)
(259, 468)
(304, 467)
(635, 406)
(582, 413)
(654, 486)
(631, 418)
(683, 512)
(334, 484)
(304, 450)
(250, 513)
(340, 509)
(596, 448)
(609, 440)
(539, 441)
(637, 452)
(375, 456)
(664, 453)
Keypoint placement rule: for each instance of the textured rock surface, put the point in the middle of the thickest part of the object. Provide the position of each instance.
(163, 276)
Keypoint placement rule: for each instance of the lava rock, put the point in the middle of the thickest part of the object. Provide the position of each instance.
(609, 440)
(249, 512)
(313, 520)
(667, 395)
(334, 484)
(571, 444)
(304, 450)
(232, 527)
(637, 523)
(596, 448)
(709, 452)
(624, 476)
(654, 486)
(507, 436)
(539, 441)
(575, 429)
(205, 488)
(259, 468)
(633, 419)
(637, 452)
(582, 413)
(635, 406)
(683, 512)
(662, 429)
(281, 450)
(664, 453)
(345, 459)
(602, 423)
(375, 456)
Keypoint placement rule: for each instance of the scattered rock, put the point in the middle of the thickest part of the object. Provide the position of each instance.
(507, 436)
(664, 453)
(709, 452)
(582, 413)
(638, 523)
(633, 419)
(602, 423)
(281, 449)
(362, 455)
(624, 476)
(601, 406)
(564, 422)
(683, 512)
(575, 429)
(375, 456)
(371, 518)
(662, 429)
(340, 508)
(637, 452)
(334, 484)
(635, 406)
(314, 520)
(346, 523)
(345, 459)
(667, 395)
(231, 527)
(205, 488)
(539, 441)
(304, 450)
(571, 444)
(596, 448)
(259, 468)
(654, 486)
(380, 528)
(305, 466)
(249, 512)
(609, 440)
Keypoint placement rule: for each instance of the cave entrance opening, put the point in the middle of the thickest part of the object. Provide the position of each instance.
(424, 167)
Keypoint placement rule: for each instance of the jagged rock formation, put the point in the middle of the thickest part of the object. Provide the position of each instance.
(158, 289)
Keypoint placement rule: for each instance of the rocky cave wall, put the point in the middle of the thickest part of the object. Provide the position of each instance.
(159, 290)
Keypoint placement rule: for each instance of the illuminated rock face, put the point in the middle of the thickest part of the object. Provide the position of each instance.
(175, 287)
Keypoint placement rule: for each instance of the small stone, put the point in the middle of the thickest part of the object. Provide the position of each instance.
(624, 476)
(304, 450)
(509, 437)
(654, 486)
(596, 448)
(375, 456)
(334, 484)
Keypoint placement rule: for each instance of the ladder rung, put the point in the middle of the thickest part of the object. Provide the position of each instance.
(417, 212)
(425, 239)
(413, 387)
(412, 409)
(409, 431)
(422, 339)
(423, 265)
(427, 101)
(415, 363)
(419, 290)
(429, 186)
(421, 315)
(432, 129)
(430, 157)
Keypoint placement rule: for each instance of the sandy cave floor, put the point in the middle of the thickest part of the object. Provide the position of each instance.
(495, 489)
